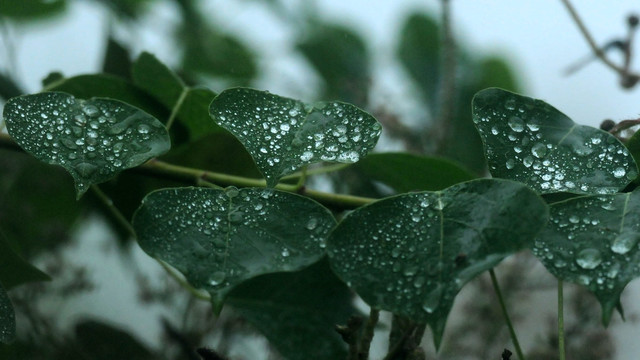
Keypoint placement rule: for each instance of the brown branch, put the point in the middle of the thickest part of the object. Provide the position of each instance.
(627, 79)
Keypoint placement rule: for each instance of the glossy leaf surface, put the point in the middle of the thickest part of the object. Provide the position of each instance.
(7, 318)
(410, 254)
(594, 241)
(407, 172)
(220, 238)
(529, 141)
(298, 311)
(92, 139)
(283, 134)
(15, 270)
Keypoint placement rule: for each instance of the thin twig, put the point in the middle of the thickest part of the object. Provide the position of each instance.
(594, 47)
(367, 334)
(448, 80)
(561, 350)
(507, 318)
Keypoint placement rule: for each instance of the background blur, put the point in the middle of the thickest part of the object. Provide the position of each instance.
(381, 55)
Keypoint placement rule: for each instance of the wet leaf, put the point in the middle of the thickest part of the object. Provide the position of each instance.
(407, 172)
(15, 270)
(283, 134)
(529, 141)
(298, 311)
(92, 139)
(7, 318)
(220, 238)
(593, 241)
(410, 254)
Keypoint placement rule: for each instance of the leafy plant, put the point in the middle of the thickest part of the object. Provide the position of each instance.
(237, 224)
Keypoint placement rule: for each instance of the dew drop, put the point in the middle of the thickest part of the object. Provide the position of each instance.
(306, 156)
(85, 169)
(539, 150)
(217, 278)
(619, 172)
(312, 223)
(589, 258)
(510, 164)
(143, 129)
(432, 300)
(516, 124)
(624, 242)
(510, 104)
(285, 252)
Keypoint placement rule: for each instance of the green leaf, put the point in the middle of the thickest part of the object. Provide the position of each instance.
(298, 311)
(410, 254)
(220, 238)
(7, 318)
(15, 270)
(117, 60)
(165, 86)
(593, 241)
(340, 56)
(283, 134)
(157, 79)
(37, 206)
(92, 139)
(31, 9)
(529, 141)
(100, 341)
(419, 53)
(407, 172)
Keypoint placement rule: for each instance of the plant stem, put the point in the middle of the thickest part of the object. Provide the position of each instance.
(316, 171)
(561, 351)
(447, 91)
(177, 106)
(194, 176)
(337, 200)
(507, 318)
(114, 210)
(594, 47)
(367, 334)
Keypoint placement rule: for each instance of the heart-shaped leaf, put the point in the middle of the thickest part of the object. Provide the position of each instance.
(593, 241)
(410, 254)
(92, 139)
(283, 134)
(220, 238)
(7, 318)
(298, 311)
(528, 140)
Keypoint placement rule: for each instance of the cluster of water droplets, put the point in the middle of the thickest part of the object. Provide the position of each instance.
(218, 238)
(592, 241)
(7, 318)
(92, 139)
(537, 145)
(396, 259)
(283, 134)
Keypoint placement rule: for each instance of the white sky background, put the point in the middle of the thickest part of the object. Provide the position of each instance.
(537, 36)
